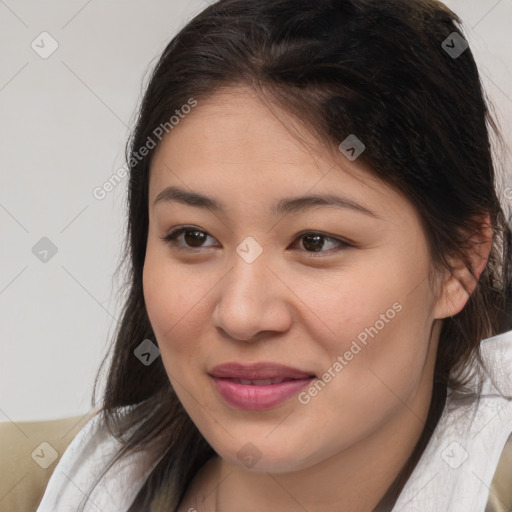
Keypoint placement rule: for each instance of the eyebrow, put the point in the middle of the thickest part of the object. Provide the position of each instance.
(283, 206)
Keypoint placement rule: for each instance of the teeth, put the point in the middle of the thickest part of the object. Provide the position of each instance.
(259, 382)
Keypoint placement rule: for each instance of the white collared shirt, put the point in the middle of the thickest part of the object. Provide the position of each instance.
(457, 467)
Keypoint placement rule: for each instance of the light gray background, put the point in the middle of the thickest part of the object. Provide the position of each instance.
(64, 123)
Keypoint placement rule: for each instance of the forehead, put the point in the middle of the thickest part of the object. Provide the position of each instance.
(235, 125)
(234, 146)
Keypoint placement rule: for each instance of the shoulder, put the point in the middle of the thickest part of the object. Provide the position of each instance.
(497, 354)
(79, 464)
(469, 447)
(80, 473)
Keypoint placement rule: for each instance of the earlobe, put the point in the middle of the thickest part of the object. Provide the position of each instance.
(455, 293)
(461, 282)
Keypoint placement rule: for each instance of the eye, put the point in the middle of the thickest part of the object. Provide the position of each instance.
(315, 242)
(190, 238)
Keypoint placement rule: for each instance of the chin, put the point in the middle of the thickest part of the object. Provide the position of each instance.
(264, 457)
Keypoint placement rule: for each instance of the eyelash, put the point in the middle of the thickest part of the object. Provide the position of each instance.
(170, 239)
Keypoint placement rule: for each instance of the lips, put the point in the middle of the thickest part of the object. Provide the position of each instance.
(259, 372)
(258, 386)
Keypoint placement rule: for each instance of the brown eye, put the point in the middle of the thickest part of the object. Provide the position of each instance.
(190, 238)
(193, 238)
(313, 242)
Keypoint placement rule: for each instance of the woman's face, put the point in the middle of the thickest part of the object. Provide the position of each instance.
(336, 291)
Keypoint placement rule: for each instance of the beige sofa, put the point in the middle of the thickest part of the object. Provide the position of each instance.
(29, 453)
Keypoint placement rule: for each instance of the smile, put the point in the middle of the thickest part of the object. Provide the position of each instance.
(258, 394)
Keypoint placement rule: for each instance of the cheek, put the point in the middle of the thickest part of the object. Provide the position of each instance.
(174, 297)
(376, 304)
(374, 363)
(378, 322)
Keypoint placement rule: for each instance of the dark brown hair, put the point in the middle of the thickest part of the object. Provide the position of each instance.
(374, 68)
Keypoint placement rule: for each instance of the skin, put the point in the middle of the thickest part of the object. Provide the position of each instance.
(207, 306)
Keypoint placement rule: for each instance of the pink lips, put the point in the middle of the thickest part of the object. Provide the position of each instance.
(258, 386)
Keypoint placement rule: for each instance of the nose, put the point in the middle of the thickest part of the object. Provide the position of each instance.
(252, 299)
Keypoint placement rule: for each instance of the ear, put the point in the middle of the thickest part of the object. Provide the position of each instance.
(460, 283)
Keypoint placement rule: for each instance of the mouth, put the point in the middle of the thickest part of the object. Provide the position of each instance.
(260, 371)
(258, 386)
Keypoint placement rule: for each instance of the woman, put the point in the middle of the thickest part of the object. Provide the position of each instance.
(317, 251)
